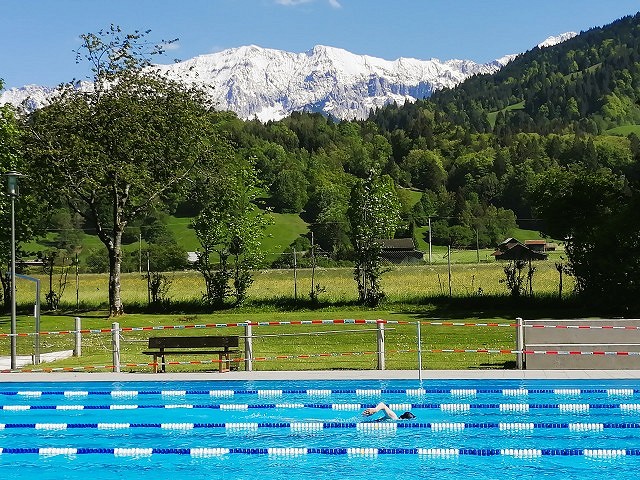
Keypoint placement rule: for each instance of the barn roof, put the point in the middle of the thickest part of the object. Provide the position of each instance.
(397, 243)
(518, 252)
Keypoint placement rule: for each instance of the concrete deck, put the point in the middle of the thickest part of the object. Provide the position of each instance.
(326, 375)
(25, 360)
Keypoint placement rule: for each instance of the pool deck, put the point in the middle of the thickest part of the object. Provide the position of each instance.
(327, 375)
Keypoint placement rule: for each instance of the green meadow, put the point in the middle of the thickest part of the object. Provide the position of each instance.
(401, 284)
(467, 287)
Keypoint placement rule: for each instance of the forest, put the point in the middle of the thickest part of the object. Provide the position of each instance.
(549, 143)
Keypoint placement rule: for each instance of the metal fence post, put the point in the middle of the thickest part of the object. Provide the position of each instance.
(419, 353)
(36, 314)
(115, 346)
(380, 324)
(248, 347)
(77, 351)
(519, 343)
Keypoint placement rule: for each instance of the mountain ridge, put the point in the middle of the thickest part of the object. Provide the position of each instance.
(270, 84)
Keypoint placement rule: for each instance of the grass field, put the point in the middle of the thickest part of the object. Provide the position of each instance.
(322, 346)
(402, 284)
(491, 116)
(411, 292)
(624, 130)
(281, 232)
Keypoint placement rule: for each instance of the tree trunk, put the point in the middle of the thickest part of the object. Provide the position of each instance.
(115, 262)
(6, 290)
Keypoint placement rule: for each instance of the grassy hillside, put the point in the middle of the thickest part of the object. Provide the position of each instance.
(491, 116)
(283, 230)
(286, 227)
(624, 130)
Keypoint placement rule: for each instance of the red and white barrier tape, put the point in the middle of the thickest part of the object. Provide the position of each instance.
(212, 325)
(317, 322)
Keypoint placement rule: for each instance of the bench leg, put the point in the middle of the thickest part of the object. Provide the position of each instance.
(224, 363)
(155, 364)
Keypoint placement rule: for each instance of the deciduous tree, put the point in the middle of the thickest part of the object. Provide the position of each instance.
(230, 228)
(374, 214)
(114, 148)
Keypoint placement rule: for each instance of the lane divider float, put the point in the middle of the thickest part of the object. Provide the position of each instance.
(522, 453)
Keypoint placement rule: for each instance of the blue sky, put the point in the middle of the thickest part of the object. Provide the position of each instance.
(37, 37)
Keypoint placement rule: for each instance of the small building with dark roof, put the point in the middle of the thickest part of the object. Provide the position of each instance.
(512, 249)
(400, 250)
(536, 245)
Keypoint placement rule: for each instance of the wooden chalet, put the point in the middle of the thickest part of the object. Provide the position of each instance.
(400, 250)
(512, 249)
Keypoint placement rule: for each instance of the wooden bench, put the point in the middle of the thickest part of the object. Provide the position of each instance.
(222, 346)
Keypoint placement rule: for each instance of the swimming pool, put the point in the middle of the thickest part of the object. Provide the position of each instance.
(297, 429)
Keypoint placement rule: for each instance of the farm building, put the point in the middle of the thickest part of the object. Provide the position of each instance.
(536, 245)
(512, 249)
(400, 250)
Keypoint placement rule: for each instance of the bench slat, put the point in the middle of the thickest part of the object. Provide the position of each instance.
(194, 342)
(185, 352)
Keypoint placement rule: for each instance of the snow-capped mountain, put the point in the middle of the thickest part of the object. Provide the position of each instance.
(270, 84)
(31, 97)
(551, 41)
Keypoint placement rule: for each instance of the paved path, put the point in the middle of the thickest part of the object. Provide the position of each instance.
(24, 360)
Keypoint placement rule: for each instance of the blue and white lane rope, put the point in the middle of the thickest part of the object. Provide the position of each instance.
(352, 452)
(444, 407)
(319, 426)
(318, 392)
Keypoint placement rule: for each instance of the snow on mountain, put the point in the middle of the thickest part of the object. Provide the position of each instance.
(551, 41)
(270, 84)
(30, 97)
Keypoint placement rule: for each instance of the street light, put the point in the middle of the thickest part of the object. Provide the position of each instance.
(12, 190)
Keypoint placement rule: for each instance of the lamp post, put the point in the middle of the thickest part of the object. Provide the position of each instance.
(12, 190)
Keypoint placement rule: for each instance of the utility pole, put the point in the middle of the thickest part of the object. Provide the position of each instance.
(295, 276)
(12, 190)
(429, 240)
(449, 264)
(140, 253)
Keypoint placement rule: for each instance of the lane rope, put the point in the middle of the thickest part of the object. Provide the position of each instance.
(365, 427)
(445, 407)
(454, 392)
(351, 452)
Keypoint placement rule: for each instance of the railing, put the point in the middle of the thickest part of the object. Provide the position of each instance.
(356, 344)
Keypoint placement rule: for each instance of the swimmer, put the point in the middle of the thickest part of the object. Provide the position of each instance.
(388, 413)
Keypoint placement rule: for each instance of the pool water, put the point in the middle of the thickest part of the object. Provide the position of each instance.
(294, 430)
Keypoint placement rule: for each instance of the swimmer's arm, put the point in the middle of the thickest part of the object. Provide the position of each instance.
(381, 407)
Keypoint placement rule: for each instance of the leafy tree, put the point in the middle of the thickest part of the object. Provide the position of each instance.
(67, 225)
(514, 277)
(165, 257)
(30, 215)
(289, 191)
(229, 227)
(426, 169)
(326, 210)
(114, 149)
(52, 259)
(374, 214)
(593, 211)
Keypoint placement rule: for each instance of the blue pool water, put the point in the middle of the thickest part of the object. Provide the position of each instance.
(294, 430)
